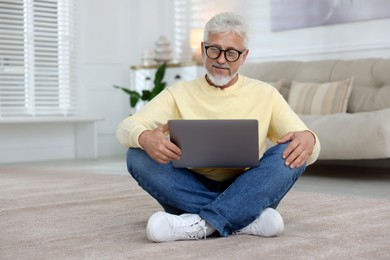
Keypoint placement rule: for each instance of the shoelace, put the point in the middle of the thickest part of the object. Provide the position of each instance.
(203, 226)
(195, 228)
(250, 229)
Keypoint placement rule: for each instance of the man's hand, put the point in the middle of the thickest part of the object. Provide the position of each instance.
(300, 148)
(157, 146)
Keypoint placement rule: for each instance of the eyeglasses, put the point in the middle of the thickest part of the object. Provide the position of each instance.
(214, 52)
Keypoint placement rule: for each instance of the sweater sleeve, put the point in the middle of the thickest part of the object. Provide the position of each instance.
(284, 120)
(316, 151)
(155, 113)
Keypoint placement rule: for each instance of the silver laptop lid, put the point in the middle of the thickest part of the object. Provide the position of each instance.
(231, 143)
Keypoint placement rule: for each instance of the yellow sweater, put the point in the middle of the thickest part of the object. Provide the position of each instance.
(246, 99)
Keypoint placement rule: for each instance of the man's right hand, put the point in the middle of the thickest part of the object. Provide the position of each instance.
(157, 146)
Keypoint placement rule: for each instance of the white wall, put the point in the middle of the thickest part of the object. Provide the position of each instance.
(339, 41)
(345, 41)
(113, 34)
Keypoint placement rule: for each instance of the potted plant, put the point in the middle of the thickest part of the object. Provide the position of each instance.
(147, 95)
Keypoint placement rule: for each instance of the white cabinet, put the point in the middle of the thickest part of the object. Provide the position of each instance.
(142, 77)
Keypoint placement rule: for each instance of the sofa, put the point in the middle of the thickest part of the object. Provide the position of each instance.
(345, 102)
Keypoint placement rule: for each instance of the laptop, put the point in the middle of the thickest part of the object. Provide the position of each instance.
(219, 143)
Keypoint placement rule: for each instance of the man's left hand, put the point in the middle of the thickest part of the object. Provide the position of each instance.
(300, 148)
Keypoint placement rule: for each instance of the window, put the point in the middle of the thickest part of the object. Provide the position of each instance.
(189, 15)
(37, 58)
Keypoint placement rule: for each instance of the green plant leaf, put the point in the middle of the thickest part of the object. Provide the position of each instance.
(126, 90)
(157, 89)
(159, 85)
(134, 98)
(133, 101)
(146, 95)
(134, 95)
(160, 74)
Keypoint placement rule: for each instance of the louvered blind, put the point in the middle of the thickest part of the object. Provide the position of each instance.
(37, 58)
(189, 14)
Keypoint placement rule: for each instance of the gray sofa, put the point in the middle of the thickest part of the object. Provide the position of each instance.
(363, 130)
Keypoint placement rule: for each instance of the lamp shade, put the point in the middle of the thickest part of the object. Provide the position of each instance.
(196, 37)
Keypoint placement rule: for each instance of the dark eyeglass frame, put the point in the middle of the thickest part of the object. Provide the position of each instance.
(206, 47)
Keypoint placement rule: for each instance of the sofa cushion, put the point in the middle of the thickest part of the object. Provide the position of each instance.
(320, 98)
(364, 135)
(276, 84)
(371, 84)
(365, 98)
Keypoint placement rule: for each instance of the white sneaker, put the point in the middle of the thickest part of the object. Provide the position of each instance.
(268, 224)
(164, 227)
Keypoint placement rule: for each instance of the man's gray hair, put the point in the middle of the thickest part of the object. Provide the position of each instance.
(227, 22)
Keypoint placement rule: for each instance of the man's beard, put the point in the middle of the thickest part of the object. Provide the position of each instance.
(220, 80)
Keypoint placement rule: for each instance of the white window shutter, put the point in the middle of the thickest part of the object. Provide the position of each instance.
(37, 58)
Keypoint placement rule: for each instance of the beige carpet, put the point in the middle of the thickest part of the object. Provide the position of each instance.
(68, 215)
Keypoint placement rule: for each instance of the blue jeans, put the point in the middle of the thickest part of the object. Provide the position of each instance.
(227, 206)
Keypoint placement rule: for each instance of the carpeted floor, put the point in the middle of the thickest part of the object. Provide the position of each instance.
(48, 214)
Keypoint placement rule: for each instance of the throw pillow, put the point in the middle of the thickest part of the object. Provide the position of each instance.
(279, 85)
(276, 84)
(320, 98)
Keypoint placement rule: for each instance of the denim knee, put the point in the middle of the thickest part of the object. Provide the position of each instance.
(275, 154)
(136, 158)
(278, 148)
(131, 153)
